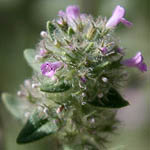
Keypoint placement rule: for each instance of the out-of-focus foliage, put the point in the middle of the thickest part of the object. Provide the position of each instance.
(20, 24)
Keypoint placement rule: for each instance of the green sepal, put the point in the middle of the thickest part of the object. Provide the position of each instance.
(29, 55)
(14, 105)
(38, 126)
(54, 88)
(89, 47)
(101, 66)
(51, 28)
(70, 31)
(111, 100)
(63, 26)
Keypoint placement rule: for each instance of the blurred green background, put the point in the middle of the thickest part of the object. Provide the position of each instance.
(20, 24)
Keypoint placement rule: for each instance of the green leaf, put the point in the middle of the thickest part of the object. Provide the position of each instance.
(54, 88)
(101, 66)
(111, 100)
(29, 55)
(51, 28)
(116, 64)
(37, 127)
(89, 47)
(14, 105)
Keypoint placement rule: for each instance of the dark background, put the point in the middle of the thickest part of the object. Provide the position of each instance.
(20, 24)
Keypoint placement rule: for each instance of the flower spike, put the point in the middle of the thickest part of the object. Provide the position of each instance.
(74, 92)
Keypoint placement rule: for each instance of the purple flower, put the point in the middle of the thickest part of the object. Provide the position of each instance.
(104, 50)
(49, 69)
(72, 16)
(83, 79)
(120, 50)
(72, 12)
(136, 61)
(43, 52)
(117, 17)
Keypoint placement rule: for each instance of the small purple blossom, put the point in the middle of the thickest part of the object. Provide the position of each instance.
(83, 79)
(61, 14)
(83, 16)
(117, 17)
(136, 61)
(73, 12)
(43, 34)
(120, 50)
(49, 69)
(43, 52)
(63, 17)
(71, 16)
(104, 50)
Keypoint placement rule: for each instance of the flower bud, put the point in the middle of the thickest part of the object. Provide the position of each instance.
(43, 34)
(104, 79)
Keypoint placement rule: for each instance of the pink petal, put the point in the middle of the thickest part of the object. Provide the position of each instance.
(50, 74)
(138, 58)
(118, 13)
(72, 12)
(49, 69)
(142, 67)
(126, 22)
(61, 13)
(43, 52)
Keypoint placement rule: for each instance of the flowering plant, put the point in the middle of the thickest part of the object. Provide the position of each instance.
(78, 67)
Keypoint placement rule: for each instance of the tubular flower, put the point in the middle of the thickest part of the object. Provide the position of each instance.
(136, 61)
(49, 69)
(117, 17)
(73, 13)
(71, 16)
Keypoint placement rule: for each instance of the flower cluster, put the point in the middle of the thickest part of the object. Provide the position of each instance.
(72, 16)
(73, 94)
